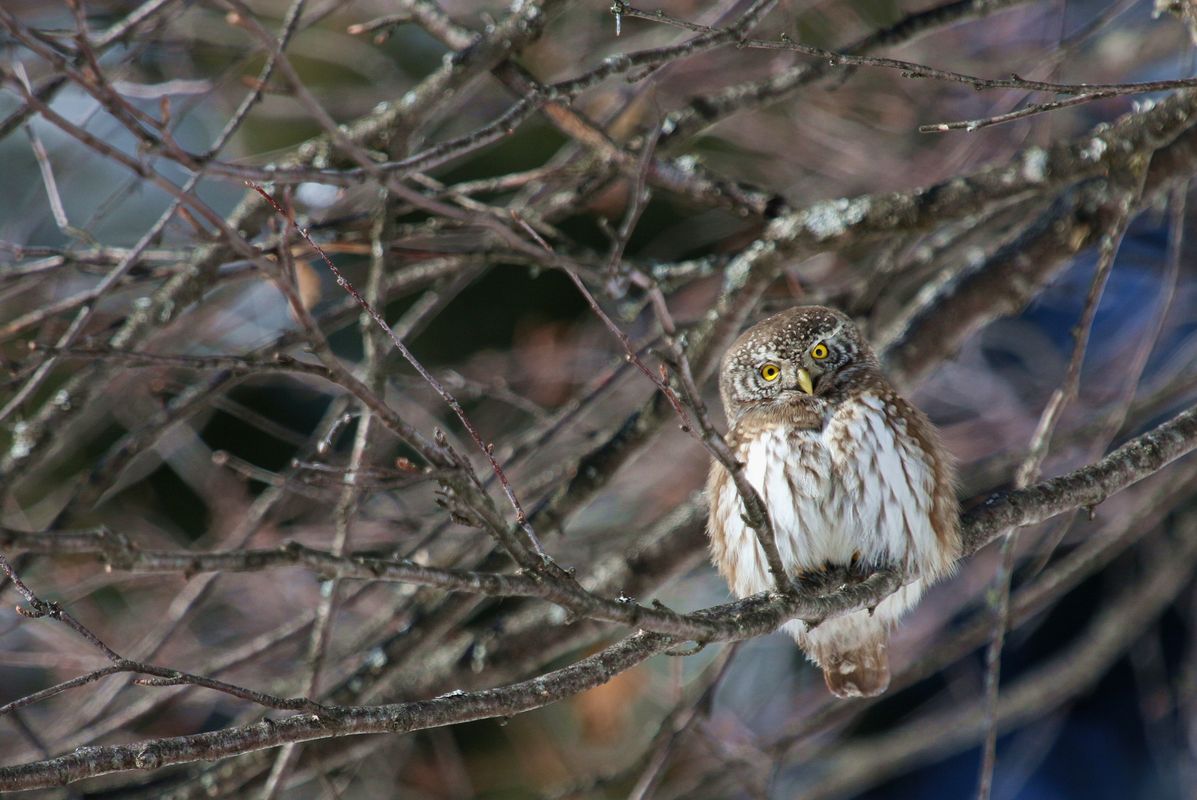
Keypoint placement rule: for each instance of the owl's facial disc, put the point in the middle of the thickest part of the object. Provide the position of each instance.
(800, 357)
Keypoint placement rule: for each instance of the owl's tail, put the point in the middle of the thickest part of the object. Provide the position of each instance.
(860, 672)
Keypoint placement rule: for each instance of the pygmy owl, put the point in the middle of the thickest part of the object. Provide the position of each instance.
(852, 476)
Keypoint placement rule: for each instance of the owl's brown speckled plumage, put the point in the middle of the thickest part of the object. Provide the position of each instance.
(849, 471)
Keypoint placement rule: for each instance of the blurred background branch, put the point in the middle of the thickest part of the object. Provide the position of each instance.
(486, 542)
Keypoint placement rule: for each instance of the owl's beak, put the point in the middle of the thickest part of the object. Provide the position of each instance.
(804, 381)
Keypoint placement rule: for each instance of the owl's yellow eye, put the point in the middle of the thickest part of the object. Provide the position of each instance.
(819, 352)
(770, 372)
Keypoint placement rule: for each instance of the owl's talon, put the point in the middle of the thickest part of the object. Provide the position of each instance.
(825, 579)
(859, 569)
(806, 580)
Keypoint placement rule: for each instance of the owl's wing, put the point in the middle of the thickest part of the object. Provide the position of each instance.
(892, 473)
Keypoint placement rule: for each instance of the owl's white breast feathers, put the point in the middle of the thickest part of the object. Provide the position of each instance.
(853, 488)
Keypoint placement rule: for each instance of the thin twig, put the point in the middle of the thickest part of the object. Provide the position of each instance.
(1029, 470)
(437, 386)
(159, 676)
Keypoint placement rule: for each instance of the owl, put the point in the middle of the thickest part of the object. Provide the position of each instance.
(852, 475)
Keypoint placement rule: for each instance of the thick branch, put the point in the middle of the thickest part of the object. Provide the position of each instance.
(761, 613)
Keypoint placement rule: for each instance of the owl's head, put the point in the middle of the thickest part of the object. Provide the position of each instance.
(793, 357)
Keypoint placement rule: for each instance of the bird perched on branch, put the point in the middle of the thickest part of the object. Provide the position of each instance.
(851, 474)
